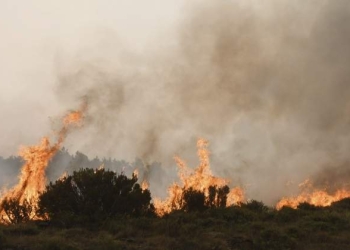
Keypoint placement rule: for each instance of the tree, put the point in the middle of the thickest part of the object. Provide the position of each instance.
(94, 195)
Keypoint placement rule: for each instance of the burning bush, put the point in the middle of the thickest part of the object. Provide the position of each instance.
(199, 188)
(90, 195)
(17, 212)
(194, 200)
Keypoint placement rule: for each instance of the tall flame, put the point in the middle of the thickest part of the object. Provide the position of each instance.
(32, 179)
(313, 196)
(199, 179)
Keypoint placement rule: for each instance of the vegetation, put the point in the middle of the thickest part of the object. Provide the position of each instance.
(99, 209)
(17, 212)
(194, 200)
(91, 196)
(250, 226)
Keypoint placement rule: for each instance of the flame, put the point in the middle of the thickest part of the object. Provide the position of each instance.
(63, 176)
(145, 185)
(316, 197)
(199, 179)
(32, 178)
(75, 117)
(135, 173)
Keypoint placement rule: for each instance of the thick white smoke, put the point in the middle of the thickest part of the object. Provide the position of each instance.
(267, 83)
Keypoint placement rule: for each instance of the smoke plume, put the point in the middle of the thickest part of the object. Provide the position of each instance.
(267, 83)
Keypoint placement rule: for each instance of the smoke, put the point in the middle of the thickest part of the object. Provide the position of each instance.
(267, 83)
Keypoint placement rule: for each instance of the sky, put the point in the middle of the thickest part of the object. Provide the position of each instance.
(266, 82)
(35, 32)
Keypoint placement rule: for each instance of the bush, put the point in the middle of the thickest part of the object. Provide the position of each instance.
(217, 196)
(193, 200)
(343, 204)
(308, 207)
(17, 212)
(93, 195)
(196, 201)
(255, 206)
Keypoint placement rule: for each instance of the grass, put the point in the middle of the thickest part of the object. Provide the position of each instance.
(230, 228)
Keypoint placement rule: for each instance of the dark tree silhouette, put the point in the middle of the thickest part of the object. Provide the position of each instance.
(255, 206)
(217, 196)
(94, 195)
(193, 200)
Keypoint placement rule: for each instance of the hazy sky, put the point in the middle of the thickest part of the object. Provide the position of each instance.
(267, 82)
(34, 32)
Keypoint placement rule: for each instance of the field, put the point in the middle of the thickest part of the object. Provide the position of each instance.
(250, 226)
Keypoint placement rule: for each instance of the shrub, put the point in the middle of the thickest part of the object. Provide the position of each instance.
(217, 196)
(93, 195)
(308, 207)
(16, 211)
(343, 204)
(193, 200)
(255, 206)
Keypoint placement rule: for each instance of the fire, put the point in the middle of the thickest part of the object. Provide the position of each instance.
(135, 173)
(32, 178)
(313, 196)
(63, 176)
(74, 117)
(199, 179)
(145, 185)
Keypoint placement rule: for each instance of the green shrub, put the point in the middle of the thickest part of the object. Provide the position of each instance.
(92, 196)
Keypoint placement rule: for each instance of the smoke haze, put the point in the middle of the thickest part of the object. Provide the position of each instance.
(266, 83)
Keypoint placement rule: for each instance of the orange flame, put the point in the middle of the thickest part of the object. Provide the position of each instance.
(32, 179)
(316, 197)
(199, 179)
(145, 185)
